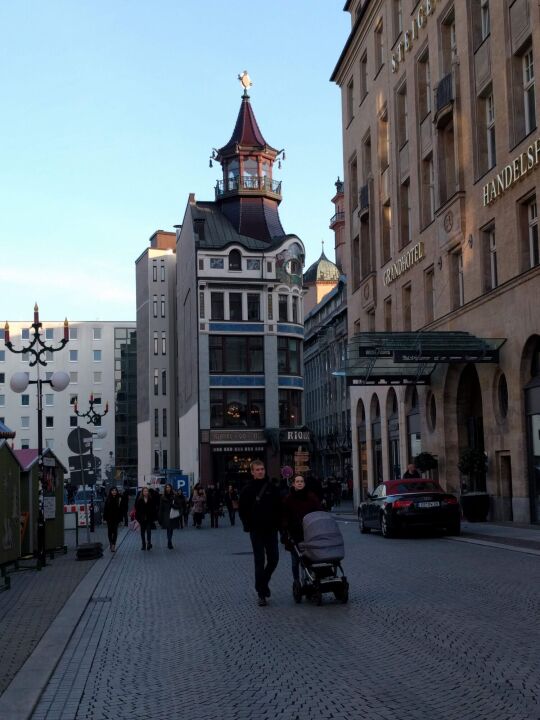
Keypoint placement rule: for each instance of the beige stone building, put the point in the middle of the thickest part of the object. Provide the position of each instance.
(441, 157)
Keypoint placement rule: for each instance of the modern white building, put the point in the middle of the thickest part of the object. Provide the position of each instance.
(100, 361)
(157, 428)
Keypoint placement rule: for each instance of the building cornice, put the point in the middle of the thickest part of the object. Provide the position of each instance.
(350, 39)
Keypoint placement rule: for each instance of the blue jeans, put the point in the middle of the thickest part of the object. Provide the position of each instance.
(265, 550)
(169, 534)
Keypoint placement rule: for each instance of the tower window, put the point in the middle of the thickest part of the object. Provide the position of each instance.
(235, 260)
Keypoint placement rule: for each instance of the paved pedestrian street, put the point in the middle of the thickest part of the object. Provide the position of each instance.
(435, 629)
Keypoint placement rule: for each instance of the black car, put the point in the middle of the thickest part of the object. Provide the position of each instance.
(399, 504)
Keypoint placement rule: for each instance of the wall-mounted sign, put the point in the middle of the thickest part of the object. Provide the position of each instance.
(295, 436)
(419, 20)
(511, 173)
(402, 264)
(229, 436)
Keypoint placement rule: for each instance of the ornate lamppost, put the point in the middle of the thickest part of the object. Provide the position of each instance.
(93, 417)
(36, 351)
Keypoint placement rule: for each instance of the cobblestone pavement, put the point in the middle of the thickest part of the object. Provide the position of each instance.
(434, 630)
(34, 600)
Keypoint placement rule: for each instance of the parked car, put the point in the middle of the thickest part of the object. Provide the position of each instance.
(397, 505)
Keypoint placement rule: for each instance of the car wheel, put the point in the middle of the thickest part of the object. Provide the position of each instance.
(362, 525)
(454, 529)
(386, 528)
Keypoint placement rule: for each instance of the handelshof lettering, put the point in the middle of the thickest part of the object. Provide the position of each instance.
(512, 173)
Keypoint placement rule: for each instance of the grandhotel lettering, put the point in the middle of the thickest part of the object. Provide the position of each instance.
(427, 7)
(403, 263)
(510, 174)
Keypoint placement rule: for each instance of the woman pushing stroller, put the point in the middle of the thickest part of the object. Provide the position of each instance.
(296, 505)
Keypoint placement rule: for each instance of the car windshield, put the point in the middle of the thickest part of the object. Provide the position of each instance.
(406, 486)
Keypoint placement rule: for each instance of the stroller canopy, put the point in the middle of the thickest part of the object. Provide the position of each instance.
(323, 541)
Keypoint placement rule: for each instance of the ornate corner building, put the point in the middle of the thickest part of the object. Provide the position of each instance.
(442, 155)
(239, 319)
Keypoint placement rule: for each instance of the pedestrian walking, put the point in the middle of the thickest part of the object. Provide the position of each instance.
(124, 505)
(231, 502)
(198, 505)
(260, 513)
(169, 512)
(145, 514)
(299, 502)
(112, 514)
(214, 504)
(182, 505)
(411, 471)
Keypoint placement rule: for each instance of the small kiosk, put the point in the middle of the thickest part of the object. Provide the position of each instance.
(53, 490)
(10, 534)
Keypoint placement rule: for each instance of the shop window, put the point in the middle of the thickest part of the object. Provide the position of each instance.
(289, 356)
(254, 306)
(290, 408)
(237, 408)
(217, 306)
(235, 307)
(283, 308)
(236, 354)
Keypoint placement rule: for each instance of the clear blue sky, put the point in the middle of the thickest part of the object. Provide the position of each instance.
(110, 109)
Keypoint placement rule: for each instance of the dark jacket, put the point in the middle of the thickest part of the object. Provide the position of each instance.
(112, 511)
(145, 512)
(296, 505)
(260, 506)
(214, 500)
(231, 500)
(166, 504)
(124, 501)
(414, 474)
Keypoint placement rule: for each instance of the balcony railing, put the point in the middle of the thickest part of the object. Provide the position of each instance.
(445, 93)
(247, 182)
(338, 217)
(363, 196)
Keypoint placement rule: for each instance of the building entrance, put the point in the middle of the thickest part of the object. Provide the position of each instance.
(232, 467)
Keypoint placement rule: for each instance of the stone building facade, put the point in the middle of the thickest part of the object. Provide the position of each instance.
(441, 154)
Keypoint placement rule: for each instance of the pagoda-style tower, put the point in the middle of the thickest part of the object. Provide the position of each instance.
(248, 195)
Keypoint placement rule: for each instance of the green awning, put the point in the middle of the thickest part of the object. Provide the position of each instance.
(403, 358)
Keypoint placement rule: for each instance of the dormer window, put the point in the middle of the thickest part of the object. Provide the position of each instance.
(235, 260)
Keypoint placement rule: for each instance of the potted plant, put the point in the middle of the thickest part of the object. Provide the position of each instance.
(474, 498)
(425, 462)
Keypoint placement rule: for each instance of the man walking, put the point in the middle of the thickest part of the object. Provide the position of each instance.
(260, 513)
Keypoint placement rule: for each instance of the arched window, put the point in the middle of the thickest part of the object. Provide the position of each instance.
(235, 260)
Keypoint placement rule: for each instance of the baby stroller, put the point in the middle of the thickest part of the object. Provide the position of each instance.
(320, 557)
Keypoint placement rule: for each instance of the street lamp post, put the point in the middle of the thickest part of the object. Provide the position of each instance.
(36, 351)
(92, 418)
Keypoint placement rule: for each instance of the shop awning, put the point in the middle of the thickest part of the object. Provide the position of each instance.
(402, 358)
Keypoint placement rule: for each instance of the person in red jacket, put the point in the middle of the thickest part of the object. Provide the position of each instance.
(299, 502)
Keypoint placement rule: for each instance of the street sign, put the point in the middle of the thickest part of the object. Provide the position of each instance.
(76, 440)
(81, 462)
(77, 477)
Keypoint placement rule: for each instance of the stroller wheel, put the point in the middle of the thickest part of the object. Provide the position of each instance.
(343, 593)
(297, 591)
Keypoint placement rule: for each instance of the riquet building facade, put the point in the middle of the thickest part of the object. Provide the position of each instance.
(239, 319)
(441, 155)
